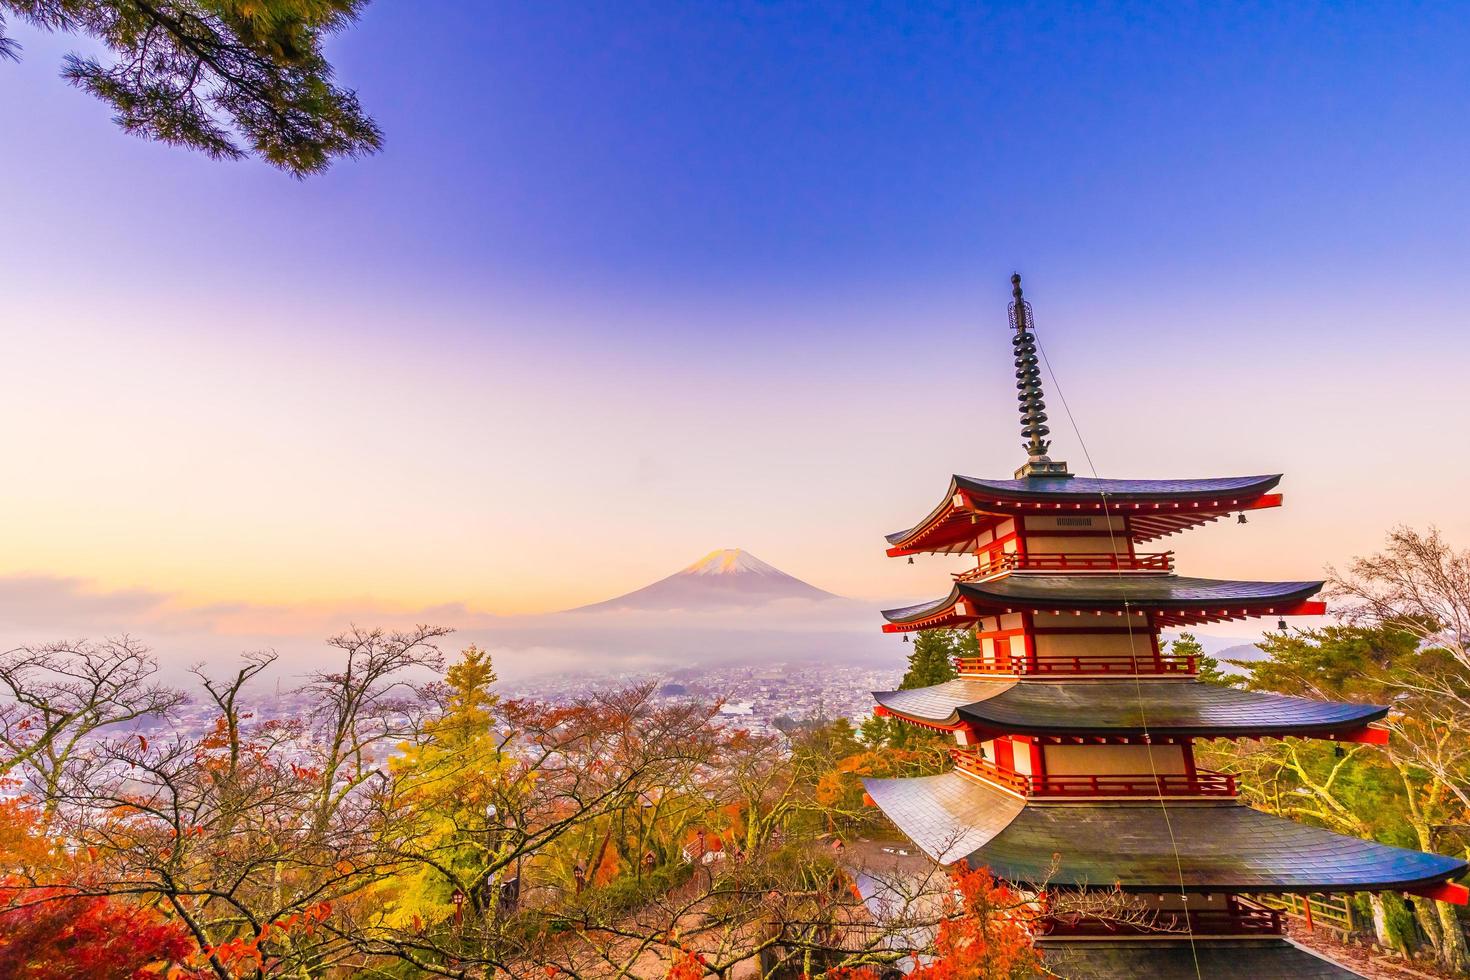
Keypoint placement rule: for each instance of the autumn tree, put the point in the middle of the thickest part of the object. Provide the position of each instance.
(518, 816)
(1418, 590)
(985, 933)
(227, 77)
(52, 934)
(254, 835)
(1406, 793)
(58, 932)
(56, 699)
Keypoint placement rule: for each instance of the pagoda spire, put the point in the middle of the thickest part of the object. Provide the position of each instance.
(1028, 391)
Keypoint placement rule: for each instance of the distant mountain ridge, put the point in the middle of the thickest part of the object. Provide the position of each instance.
(725, 579)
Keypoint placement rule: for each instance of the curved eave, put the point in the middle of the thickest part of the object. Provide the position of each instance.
(1157, 508)
(1220, 847)
(939, 704)
(1145, 847)
(1182, 709)
(1225, 492)
(1172, 600)
(1112, 709)
(1188, 958)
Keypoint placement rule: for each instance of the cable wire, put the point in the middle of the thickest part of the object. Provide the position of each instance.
(1132, 650)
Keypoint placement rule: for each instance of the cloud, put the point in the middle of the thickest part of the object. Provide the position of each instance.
(38, 609)
(67, 606)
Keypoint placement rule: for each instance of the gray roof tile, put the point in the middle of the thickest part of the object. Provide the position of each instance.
(1111, 592)
(1176, 959)
(1132, 707)
(1145, 846)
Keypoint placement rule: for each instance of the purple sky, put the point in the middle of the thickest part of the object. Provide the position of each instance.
(633, 282)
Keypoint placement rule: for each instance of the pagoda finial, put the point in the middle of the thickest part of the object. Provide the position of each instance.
(1028, 390)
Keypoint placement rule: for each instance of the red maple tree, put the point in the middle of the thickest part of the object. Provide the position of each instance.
(61, 933)
(984, 935)
(46, 934)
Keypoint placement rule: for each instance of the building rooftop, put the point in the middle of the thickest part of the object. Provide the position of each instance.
(1145, 847)
(1178, 959)
(1133, 707)
(1154, 508)
(1074, 488)
(1174, 599)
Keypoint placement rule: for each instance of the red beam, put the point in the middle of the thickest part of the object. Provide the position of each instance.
(1264, 501)
(1446, 891)
(883, 712)
(1368, 734)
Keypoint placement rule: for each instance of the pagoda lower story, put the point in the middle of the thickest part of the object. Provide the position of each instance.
(1074, 773)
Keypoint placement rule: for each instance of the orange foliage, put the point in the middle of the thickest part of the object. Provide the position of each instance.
(46, 934)
(609, 867)
(55, 933)
(686, 966)
(981, 938)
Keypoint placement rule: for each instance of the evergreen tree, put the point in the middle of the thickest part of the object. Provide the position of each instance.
(874, 731)
(931, 661)
(205, 74)
(1209, 667)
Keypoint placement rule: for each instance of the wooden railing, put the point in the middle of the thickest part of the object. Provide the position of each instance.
(1333, 912)
(1243, 917)
(1095, 663)
(973, 762)
(1202, 782)
(1068, 563)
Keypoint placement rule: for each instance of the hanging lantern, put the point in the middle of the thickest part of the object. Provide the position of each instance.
(1281, 624)
(911, 559)
(1241, 519)
(905, 638)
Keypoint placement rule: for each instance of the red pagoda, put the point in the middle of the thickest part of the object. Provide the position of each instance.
(1074, 763)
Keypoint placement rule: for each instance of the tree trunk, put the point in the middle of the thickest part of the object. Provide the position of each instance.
(1380, 922)
(1428, 920)
(1456, 954)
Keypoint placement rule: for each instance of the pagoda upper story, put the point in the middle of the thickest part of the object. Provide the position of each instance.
(1060, 585)
(978, 515)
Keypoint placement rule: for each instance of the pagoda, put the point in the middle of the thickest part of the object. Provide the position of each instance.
(1074, 729)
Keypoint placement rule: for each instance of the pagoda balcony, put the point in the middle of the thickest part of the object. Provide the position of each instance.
(1095, 664)
(1070, 563)
(1201, 782)
(1242, 918)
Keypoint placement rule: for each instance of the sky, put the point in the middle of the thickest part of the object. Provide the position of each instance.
(631, 282)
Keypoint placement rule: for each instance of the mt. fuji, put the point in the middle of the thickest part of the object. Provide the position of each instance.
(723, 579)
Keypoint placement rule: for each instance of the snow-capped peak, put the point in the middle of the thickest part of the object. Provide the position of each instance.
(731, 561)
(724, 579)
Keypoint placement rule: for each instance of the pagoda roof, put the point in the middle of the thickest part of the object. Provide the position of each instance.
(1155, 846)
(1176, 600)
(1155, 508)
(1076, 487)
(1183, 959)
(1156, 706)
